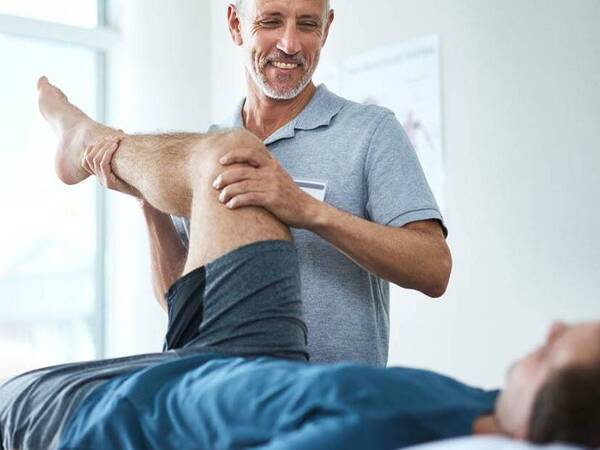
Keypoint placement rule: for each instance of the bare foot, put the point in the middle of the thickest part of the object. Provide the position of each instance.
(73, 128)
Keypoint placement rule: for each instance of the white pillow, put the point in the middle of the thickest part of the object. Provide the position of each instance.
(487, 443)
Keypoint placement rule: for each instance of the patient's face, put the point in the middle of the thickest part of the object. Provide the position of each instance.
(565, 345)
(282, 41)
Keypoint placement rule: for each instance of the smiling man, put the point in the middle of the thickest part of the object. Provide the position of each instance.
(375, 220)
(378, 223)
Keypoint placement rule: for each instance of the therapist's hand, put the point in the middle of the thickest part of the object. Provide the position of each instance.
(97, 159)
(263, 182)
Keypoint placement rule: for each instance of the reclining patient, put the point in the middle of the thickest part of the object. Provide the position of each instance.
(234, 372)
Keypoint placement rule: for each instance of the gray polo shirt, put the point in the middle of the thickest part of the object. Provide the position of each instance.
(372, 172)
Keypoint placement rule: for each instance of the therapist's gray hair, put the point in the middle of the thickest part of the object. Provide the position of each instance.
(239, 4)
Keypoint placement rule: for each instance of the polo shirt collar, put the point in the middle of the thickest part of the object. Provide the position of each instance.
(320, 110)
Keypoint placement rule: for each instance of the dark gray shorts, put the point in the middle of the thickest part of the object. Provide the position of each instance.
(246, 303)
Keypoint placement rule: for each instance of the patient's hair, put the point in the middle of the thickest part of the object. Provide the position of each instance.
(567, 408)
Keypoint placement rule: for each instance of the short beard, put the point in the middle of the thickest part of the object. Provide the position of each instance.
(263, 84)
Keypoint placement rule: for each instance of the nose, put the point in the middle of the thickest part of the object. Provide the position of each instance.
(289, 42)
(556, 329)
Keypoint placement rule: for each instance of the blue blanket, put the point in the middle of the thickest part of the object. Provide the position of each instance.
(212, 402)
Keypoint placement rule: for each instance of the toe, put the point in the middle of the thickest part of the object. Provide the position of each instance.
(42, 81)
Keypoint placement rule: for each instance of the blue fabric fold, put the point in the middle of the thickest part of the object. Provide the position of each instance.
(217, 402)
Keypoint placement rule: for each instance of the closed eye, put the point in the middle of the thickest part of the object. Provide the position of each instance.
(309, 25)
(269, 23)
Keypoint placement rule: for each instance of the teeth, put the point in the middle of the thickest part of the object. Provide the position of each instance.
(281, 65)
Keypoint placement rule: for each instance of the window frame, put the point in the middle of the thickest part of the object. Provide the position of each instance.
(101, 40)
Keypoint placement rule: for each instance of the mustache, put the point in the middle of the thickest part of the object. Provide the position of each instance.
(283, 57)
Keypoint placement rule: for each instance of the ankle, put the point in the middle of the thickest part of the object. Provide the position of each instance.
(92, 132)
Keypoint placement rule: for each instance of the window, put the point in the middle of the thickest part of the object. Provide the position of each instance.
(51, 273)
(82, 13)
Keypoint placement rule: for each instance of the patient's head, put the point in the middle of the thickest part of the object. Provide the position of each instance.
(553, 394)
(567, 408)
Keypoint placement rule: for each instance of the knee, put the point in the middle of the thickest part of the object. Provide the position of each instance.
(209, 150)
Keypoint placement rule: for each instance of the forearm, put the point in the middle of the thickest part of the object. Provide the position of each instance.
(412, 258)
(167, 253)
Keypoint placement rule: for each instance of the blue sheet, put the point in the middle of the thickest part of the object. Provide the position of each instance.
(214, 402)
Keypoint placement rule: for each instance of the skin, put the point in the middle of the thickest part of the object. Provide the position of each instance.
(565, 345)
(167, 253)
(173, 172)
(271, 31)
(415, 256)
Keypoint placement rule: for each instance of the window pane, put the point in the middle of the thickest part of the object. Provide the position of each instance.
(48, 231)
(82, 13)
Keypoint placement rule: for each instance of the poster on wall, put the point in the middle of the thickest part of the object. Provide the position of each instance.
(406, 79)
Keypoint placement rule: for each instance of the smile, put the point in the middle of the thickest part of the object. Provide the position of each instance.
(282, 65)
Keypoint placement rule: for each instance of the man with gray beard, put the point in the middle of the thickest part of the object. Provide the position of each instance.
(344, 176)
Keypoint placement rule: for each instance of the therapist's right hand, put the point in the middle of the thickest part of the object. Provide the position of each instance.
(97, 160)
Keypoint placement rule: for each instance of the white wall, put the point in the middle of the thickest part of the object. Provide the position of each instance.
(521, 113)
(158, 82)
(521, 106)
(226, 61)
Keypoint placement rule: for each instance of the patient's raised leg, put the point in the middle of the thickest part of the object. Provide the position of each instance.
(173, 172)
(246, 303)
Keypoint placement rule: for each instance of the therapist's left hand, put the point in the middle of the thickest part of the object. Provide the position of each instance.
(263, 182)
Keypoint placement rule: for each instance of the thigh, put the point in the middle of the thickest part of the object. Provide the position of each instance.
(36, 406)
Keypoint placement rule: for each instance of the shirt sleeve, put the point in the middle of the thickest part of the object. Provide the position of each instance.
(397, 190)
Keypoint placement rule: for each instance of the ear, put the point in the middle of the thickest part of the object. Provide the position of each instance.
(330, 17)
(234, 21)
